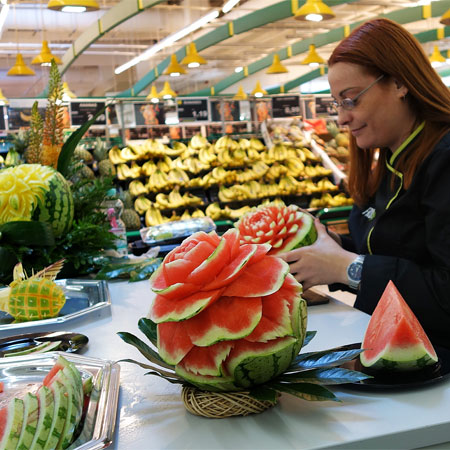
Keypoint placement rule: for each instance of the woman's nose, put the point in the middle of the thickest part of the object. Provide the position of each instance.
(344, 117)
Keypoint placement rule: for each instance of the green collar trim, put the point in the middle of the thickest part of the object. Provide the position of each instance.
(406, 143)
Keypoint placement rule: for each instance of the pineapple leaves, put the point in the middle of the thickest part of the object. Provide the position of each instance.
(163, 373)
(145, 350)
(308, 337)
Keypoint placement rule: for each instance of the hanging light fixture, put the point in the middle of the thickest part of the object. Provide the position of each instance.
(153, 95)
(45, 57)
(258, 91)
(240, 94)
(436, 59)
(167, 91)
(315, 11)
(174, 69)
(276, 66)
(20, 68)
(313, 59)
(3, 99)
(73, 6)
(67, 94)
(192, 58)
(445, 19)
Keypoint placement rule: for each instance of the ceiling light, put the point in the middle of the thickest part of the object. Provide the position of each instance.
(192, 58)
(258, 91)
(240, 94)
(238, 69)
(315, 11)
(153, 95)
(20, 68)
(167, 91)
(276, 66)
(445, 19)
(67, 94)
(313, 59)
(229, 5)
(174, 69)
(45, 57)
(3, 14)
(73, 6)
(436, 59)
(3, 99)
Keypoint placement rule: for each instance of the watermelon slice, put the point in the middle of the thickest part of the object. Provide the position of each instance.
(283, 227)
(60, 398)
(31, 412)
(46, 410)
(395, 339)
(11, 420)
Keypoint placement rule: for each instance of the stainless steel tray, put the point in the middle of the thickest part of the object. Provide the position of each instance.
(25, 374)
(82, 297)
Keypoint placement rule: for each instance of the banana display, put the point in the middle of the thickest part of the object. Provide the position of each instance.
(235, 170)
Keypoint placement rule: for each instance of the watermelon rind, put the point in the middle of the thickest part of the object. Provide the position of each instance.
(208, 383)
(41, 348)
(59, 415)
(31, 412)
(13, 426)
(305, 235)
(46, 409)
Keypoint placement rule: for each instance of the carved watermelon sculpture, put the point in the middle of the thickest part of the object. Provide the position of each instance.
(395, 339)
(283, 227)
(36, 192)
(229, 316)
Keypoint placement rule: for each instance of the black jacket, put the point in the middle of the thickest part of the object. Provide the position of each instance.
(408, 241)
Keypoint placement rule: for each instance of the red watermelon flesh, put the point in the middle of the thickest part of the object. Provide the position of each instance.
(395, 339)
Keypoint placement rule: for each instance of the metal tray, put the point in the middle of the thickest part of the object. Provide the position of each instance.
(82, 297)
(25, 374)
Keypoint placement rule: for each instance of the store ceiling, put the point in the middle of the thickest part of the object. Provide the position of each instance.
(92, 73)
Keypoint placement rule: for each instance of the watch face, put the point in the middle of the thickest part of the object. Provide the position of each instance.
(354, 271)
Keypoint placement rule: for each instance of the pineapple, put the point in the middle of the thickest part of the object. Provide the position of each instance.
(33, 298)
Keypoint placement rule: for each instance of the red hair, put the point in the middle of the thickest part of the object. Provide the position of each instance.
(381, 46)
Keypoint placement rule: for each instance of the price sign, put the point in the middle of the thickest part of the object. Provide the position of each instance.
(81, 112)
(21, 117)
(286, 106)
(192, 110)
(323, 107)
(149, 113)
(228, 108)
(2, 118)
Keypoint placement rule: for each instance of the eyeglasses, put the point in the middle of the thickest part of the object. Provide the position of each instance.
(349, 103)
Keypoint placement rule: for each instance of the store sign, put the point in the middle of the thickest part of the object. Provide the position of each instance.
(286, 106)
(192, 110)
(2, 118)
(81, 112)
(225, 110)
(323, 106)
(21, 117)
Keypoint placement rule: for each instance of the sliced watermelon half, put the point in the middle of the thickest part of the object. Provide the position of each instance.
(46, 410)
(61, 400)
(394, 338)
(11, 420)
(31, 412)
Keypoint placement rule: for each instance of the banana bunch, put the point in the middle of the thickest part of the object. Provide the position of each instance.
(239, 156)
(177, 149)
(198, 141)
(175, 200)
(253, 154)
(141, 204)
(316, 171)
(137, 188)
(178, 177)
(326, 185)
(115, 155)
(152, 148)
(225, 142)
(224, 157)
(207, 156)
(154, 217)
(194, 165)
(164, 164)
(148, 168)
(260, 168)
(306, 154)
(196, 213)
(232, 193)
(278, 152)
(256, 144)
(221, 176)
(198, 182)
(236, 214)
(254, 187)
(215, 212)
(295, 168)
(192, 200)
(328, 200)
(288, 185)
(243, 176)
(307, 187)
(269, 190)
(124, 171)
(275, 171)
(130, 153)
(158, 181)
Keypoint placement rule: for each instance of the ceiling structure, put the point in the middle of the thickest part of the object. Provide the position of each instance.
(267, 27)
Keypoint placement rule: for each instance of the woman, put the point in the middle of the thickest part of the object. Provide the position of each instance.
(391, 99)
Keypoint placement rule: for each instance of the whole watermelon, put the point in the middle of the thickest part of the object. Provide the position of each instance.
(229, 315)
(36, 192)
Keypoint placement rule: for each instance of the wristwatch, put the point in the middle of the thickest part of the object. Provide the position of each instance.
(354, 271)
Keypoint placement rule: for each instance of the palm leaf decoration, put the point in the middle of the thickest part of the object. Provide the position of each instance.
(306, 378)
(33, 154)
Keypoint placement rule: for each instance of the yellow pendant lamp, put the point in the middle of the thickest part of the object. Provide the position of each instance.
(45, 57)
(67, 94)
(258, 91)
(315, 11)
(153, 95)
(20, 68)
(276, 66)
(3, 99)
(167, 91)
(73, 6)
(240, 94)
(313, 59)
(192, 58)
(174, 69)
(445, 19)
(436, 59)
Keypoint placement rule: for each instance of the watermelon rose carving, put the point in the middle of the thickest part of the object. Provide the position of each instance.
(283, 227)
(229, 316)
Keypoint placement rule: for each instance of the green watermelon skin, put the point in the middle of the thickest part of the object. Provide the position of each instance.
(394, 339)
(31, 413)
(13, 425)
(46, 411)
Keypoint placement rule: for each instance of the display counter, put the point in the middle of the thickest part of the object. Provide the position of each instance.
(151, 414)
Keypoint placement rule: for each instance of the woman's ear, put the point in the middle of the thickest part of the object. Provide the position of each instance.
(402, 90)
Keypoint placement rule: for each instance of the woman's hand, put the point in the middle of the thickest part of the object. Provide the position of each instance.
(323, 262)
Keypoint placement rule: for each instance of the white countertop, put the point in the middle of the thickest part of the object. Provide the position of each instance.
(151, 414)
